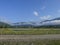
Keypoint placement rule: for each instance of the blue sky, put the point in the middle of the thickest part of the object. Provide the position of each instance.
(28, 10)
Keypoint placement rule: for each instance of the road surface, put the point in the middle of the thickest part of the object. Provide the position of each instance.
(30, 37)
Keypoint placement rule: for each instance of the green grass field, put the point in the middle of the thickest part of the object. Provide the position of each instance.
(41, 31)
(8, 31)
(35, 42)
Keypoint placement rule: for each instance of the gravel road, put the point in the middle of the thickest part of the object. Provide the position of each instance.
(30, 37)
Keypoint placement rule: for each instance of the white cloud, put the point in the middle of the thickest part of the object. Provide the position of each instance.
(43, 8)
(45, 17)
(35, 13)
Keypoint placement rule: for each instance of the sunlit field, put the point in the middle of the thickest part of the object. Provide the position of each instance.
(29, 31)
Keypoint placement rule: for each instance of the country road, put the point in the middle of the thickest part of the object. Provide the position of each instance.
(30, 37)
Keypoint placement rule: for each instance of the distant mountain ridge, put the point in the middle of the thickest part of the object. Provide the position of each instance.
(52, 22)
(57, 18)
(3, 24)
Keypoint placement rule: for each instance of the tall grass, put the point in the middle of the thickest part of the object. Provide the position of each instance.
(29, 32)
(35, 42)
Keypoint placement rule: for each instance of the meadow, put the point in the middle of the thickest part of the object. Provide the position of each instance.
(29, 31)
(32, 31)
(30, 42)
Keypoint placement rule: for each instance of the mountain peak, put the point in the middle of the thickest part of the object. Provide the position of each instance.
(57, 18)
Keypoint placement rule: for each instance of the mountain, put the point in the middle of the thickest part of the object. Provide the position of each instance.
(24, 24)
(57, 18)
(4, 25)
(52, 19)
(47, 23)
(53, 22)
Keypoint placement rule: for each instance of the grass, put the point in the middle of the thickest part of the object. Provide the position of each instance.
(8, 31)
(35, 42)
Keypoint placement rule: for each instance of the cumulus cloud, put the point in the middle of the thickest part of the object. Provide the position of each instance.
(45, 17)
(35, 13)
(43, 8)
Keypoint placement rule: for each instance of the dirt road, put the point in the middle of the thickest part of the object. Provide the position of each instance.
(28, 37)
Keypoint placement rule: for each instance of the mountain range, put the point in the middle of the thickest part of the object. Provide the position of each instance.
(46, 23)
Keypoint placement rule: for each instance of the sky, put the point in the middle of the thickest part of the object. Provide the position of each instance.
(28, 10)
